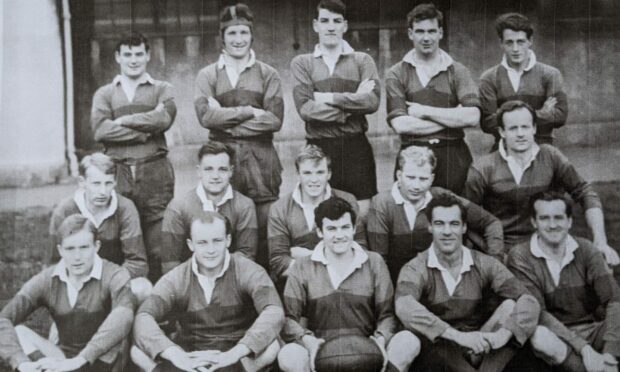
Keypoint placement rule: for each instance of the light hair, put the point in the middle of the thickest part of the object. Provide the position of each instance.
(73, 224)
(312, 152)
(418, 155)
(98, 160)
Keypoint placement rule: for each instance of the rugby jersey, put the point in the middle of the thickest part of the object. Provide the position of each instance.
(585, 283)
(345, 117)
(390, 235)
(244, 308)
(491, 185)
(93, 328)
(142, 134)
(424, 305)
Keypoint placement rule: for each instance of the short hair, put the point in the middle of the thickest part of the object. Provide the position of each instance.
(208, 217)
(418, 155)
(133, 38)
(98, 160)
(510, 106)
(424, 11)
(444, 200)
(239, 14)
(515, 22)
(216, 148)
(550, 196)
(334, 6)
(333, 209)
(312, 152)
(72, 225)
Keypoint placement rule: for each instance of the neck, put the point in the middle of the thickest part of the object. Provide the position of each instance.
(556, 250)
(450, 260)
(338, 258)
(133, 79)
(521, 156)
(332, 50)
(313, 200)
(237, 61)
(428, 58)
(215, 197)
(519, 66)
(94, 209)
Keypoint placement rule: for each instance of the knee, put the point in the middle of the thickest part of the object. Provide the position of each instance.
(506, 307)
(403, 348)
(141, 288)
(293, 358)
(548, 345)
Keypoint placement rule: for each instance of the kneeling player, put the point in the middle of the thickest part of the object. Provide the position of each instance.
(89, 299)
(570, 279)
(227, 307)
(344, 291)
(441, 295)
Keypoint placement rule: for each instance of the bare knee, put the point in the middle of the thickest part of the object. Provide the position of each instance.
(548, 346)
(293, 358)
(141, 288)
(403, 348)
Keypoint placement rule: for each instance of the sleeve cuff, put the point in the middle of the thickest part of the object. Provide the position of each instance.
(437, 330)
(90, 354)
(18, 359)
(579, 343)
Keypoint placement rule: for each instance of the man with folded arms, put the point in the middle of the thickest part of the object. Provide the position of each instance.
(442, 295)
(571, 280)
(228, 310)
(89, 299)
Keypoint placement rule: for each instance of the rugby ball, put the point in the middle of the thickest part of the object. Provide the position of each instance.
(349, 353)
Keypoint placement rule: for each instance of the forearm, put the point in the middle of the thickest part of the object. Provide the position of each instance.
(415, 126)
(312, 111)
(134, 253)
(154, 121)
(279, 255)
(247, 241)
(108, 131)
(110, 333)
(149, 337)
(559, 329)
(357, 103)
(596, 223)
(222, 118)
(10, 349)
(264, 330)
(415, 316)
(454, 117)
(265, 123)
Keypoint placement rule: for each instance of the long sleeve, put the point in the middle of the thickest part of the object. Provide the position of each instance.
(102, 122)
(384, 300)
(488, 101)
(554, 87)
(212, 117)
(475, 186)
(155, 121)
(117, 324)
(246, 232)
(396, 96)
(265, 329)
(280, 242)
(378, 227)
(173, 233)
(409, 290)
(466, 88)
(566, 175)
(303, 96)
(601, 278)
(132, 243)
(56, 219)
(361, 103)
(295, 297)
(28, 299)
(479, 221)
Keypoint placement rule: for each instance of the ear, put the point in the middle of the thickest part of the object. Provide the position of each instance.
(399, 175)
(148, 56)
(190, 244)
(319, 233)
(59, 249)
(533, 222)
(410, 33)
(228, 240)
(82, 181)
(570, 222)
(501, 132)
(329, 175)
(432, 178)
(534, 125)
(315, 25)
(440, 33)
(464, 228)
(346, 26)
(117, 57)
(97, 245)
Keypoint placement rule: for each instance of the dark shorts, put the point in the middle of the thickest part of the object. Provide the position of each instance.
(353, 164)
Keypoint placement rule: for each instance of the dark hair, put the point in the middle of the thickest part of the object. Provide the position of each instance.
(444, 200)
(133, 38)
(100, 161)
(334, 6)
(312, 152)
(239, 14)
(515, 22)
(512, 106)
(72, 225)
(333, 209)
(550, 196)
(208, 217)
(424, 11)
(215, 148)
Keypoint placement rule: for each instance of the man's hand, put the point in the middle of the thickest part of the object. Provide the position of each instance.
(204, 356)
(380, 341)
(416, 110)
(230, 357)
(160, 107)
(183, 360)
(597, 362)
(546, 112)
(299, 252)
(366, 86)
(213, 102)
(321, 97)
(611, 256)
(312, 344)
(61, 365)
(474, 341)
(29, 367)
(258, 112)
(497, 339)
(119, 121)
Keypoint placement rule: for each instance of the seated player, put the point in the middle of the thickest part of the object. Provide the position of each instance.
(343, 291)
(114, 216)
(291, 229)
(88, 298)
(397, 225)
(503, 181)
(213, 193)
(228, 310)
(442, 294)
(570, 279)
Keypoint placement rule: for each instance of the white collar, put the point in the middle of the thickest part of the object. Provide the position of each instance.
(207, 205)
(360, 256)
(571, 247)
(505, 156)
(60, 270)
(399, 199)
(146, 78)
(297, 194)
(444, 60)
(516, 169)
(80, 200)
(222, 62)
(219, 275)
(346, 49)
(530, 63)
(466, 264)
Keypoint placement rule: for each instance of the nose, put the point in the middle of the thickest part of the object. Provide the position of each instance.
(446, 230)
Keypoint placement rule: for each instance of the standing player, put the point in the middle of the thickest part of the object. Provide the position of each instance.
(239, 100)
(520, 76)
(129, 117)
(431, 98)
(335, 87)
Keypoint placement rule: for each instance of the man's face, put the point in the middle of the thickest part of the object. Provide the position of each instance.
(426, 35)
(330, 27)
(313, 177)
(78, 252)
(337, 234)
(551, 221)
(516, 46)
(98, 187)
(133, 60)
(237, 41)
(447, 228)
(215, 172)
(518, 130)
(414, 180)
(209, 242)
